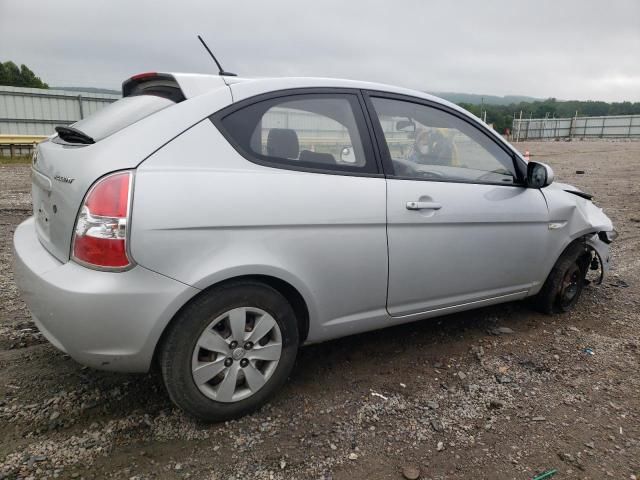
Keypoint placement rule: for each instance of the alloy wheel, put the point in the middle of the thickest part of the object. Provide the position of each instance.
(236, 354)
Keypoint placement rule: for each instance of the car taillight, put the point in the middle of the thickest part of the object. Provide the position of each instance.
(100, 236)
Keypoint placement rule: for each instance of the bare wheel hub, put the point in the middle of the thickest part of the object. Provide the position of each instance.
(569, 286)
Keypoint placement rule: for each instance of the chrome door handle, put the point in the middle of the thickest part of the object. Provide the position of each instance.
(423, 206)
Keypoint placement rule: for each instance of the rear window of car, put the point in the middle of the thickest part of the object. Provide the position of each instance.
(121, 114)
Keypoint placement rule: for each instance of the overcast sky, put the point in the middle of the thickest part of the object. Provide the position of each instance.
(565, 49)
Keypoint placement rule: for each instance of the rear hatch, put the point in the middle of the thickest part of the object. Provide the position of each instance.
(65, 166)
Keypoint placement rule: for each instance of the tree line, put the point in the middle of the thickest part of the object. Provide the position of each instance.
(501, 116)
(14, 76)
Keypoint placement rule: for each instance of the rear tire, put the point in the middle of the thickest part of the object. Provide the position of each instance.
(563, 287)
(244, 336)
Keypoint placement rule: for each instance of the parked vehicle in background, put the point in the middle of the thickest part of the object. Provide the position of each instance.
(215, 224)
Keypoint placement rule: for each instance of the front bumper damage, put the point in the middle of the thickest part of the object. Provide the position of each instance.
(602, 252)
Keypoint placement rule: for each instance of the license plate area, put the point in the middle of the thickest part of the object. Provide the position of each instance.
(43, 219)
(41, 205)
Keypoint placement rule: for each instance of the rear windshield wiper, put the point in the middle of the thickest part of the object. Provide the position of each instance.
(73, 135)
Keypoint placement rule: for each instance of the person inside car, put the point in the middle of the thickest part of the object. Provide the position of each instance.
(432, 147)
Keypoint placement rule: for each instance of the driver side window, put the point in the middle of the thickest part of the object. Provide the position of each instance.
(429, 144)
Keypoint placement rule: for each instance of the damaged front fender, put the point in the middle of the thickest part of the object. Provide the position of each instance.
(572, 217)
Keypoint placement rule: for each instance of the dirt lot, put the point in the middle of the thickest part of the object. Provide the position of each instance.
(446, 396)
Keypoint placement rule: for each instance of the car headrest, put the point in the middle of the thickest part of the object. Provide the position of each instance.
(283, 143)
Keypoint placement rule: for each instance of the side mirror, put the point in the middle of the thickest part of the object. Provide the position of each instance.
(539, 175)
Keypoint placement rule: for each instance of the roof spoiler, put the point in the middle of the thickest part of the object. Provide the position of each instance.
(153, 83)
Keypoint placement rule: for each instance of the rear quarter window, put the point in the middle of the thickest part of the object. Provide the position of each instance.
(321, 132)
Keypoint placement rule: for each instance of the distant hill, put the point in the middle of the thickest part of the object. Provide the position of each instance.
(89, 89)
(477, 99)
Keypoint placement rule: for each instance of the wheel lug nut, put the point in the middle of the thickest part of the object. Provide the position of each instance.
(233, 344)
(244, 362)
(228, 362)
(248, 345)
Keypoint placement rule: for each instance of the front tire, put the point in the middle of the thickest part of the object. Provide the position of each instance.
(563, 287)
(229, 351)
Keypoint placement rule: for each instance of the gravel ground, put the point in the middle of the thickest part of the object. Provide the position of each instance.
(456, 397)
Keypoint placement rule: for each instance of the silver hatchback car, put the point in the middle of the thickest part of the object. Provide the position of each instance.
(212, 225)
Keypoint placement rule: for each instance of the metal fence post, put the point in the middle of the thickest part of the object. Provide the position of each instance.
(573, 119)
(80, 105)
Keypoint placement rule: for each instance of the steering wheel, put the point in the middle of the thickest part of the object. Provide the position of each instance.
(430, 175)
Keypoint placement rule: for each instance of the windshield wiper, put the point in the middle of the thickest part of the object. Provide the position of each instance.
(73, 135)
(586, 195)
(502, 171)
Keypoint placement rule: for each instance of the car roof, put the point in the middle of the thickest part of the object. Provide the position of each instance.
(245, 87)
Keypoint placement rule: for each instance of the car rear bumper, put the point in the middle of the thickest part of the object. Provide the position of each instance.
(105, 320)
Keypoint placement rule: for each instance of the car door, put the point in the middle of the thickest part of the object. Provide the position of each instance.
(462, 229)
(269, 192)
